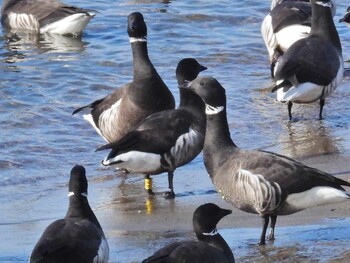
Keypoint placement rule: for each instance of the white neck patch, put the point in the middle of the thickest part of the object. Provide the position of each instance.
(329, 4)
(72, 193)
(211, 110)
(138, 39)
(212, 233)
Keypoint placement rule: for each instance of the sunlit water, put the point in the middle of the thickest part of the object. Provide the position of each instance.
(43, 79)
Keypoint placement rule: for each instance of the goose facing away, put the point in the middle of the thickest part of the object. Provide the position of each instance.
(312, 67)
(76, 238)
(45, 16)
(287, 22)
(210, 247)
(259, 182)
(118, 113)
(164, 140)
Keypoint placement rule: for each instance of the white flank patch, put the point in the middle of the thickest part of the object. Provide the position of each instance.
(329, 4)
(108, 121)
(23, 21)
(211, 110)
(316, 196)
(135, 161)
(290, 34)
(73, 24)
(182, 151)
(103, 252)
(256, 190)
(137, 39)
(269, 36)
(90, 119)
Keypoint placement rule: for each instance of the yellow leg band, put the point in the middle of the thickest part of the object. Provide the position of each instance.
(148, 183)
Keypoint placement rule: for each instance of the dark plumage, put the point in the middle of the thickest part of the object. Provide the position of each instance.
(164, 140)
(78, 237)
(346, 18)
(259, 182)
(45, 16)
(117, 114)
(211, 248)
(312, 67)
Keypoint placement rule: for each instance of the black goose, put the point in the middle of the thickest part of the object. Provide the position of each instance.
(313, 66)
(44, 16)
(346, 18)
(259, 182)
(211, 248)
(164, 140)
(117, 114)
(79, 236)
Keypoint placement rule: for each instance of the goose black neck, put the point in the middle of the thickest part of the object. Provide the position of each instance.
(219, 243)
(143, 67)
(79, 208)
(192, 102)
(217, 139)
(322, 25)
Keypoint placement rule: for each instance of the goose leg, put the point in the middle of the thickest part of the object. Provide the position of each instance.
(148, 184)
(272, 227)
(170, 194)
(265, 221)
(321, 108)
(290, 104)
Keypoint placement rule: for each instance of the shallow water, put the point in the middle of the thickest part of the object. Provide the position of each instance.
(45, 78)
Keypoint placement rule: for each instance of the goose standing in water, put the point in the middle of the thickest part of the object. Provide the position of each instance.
(312, 67)
(259, 182)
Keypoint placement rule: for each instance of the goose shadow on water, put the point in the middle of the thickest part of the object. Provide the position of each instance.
(19, 45)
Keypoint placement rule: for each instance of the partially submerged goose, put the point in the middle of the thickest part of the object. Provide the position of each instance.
(312, 67)
(45, 16)
(259, 182)
(346, 18)
(210, 247)
(164, 140)
(78, 237)
(118, 113)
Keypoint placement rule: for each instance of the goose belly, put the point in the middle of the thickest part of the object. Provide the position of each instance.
(136, 161)
(290, 34)
(303, 93)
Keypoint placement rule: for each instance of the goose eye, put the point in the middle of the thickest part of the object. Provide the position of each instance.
(201, 83)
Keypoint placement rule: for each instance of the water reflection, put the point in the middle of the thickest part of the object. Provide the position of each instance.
(19, 44)
(307, 139)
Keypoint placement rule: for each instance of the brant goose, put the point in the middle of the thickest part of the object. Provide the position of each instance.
(211, 248)
(79, 236)
(346, 17)
(45, 16)
(259, 182)
(164, 140)
(288, 21)
(313, 66)
(117, 114)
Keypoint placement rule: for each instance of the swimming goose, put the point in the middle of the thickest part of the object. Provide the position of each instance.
(45, 16)
(312, 67)
(117, 114)
(287, 22)
(259, 182)
(211, 248)
(78, 237)
(164, 140)
(346, 18)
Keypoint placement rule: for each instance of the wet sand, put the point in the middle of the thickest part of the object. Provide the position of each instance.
(141, 225)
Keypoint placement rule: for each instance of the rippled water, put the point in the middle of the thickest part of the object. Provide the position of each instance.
(43, 79)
